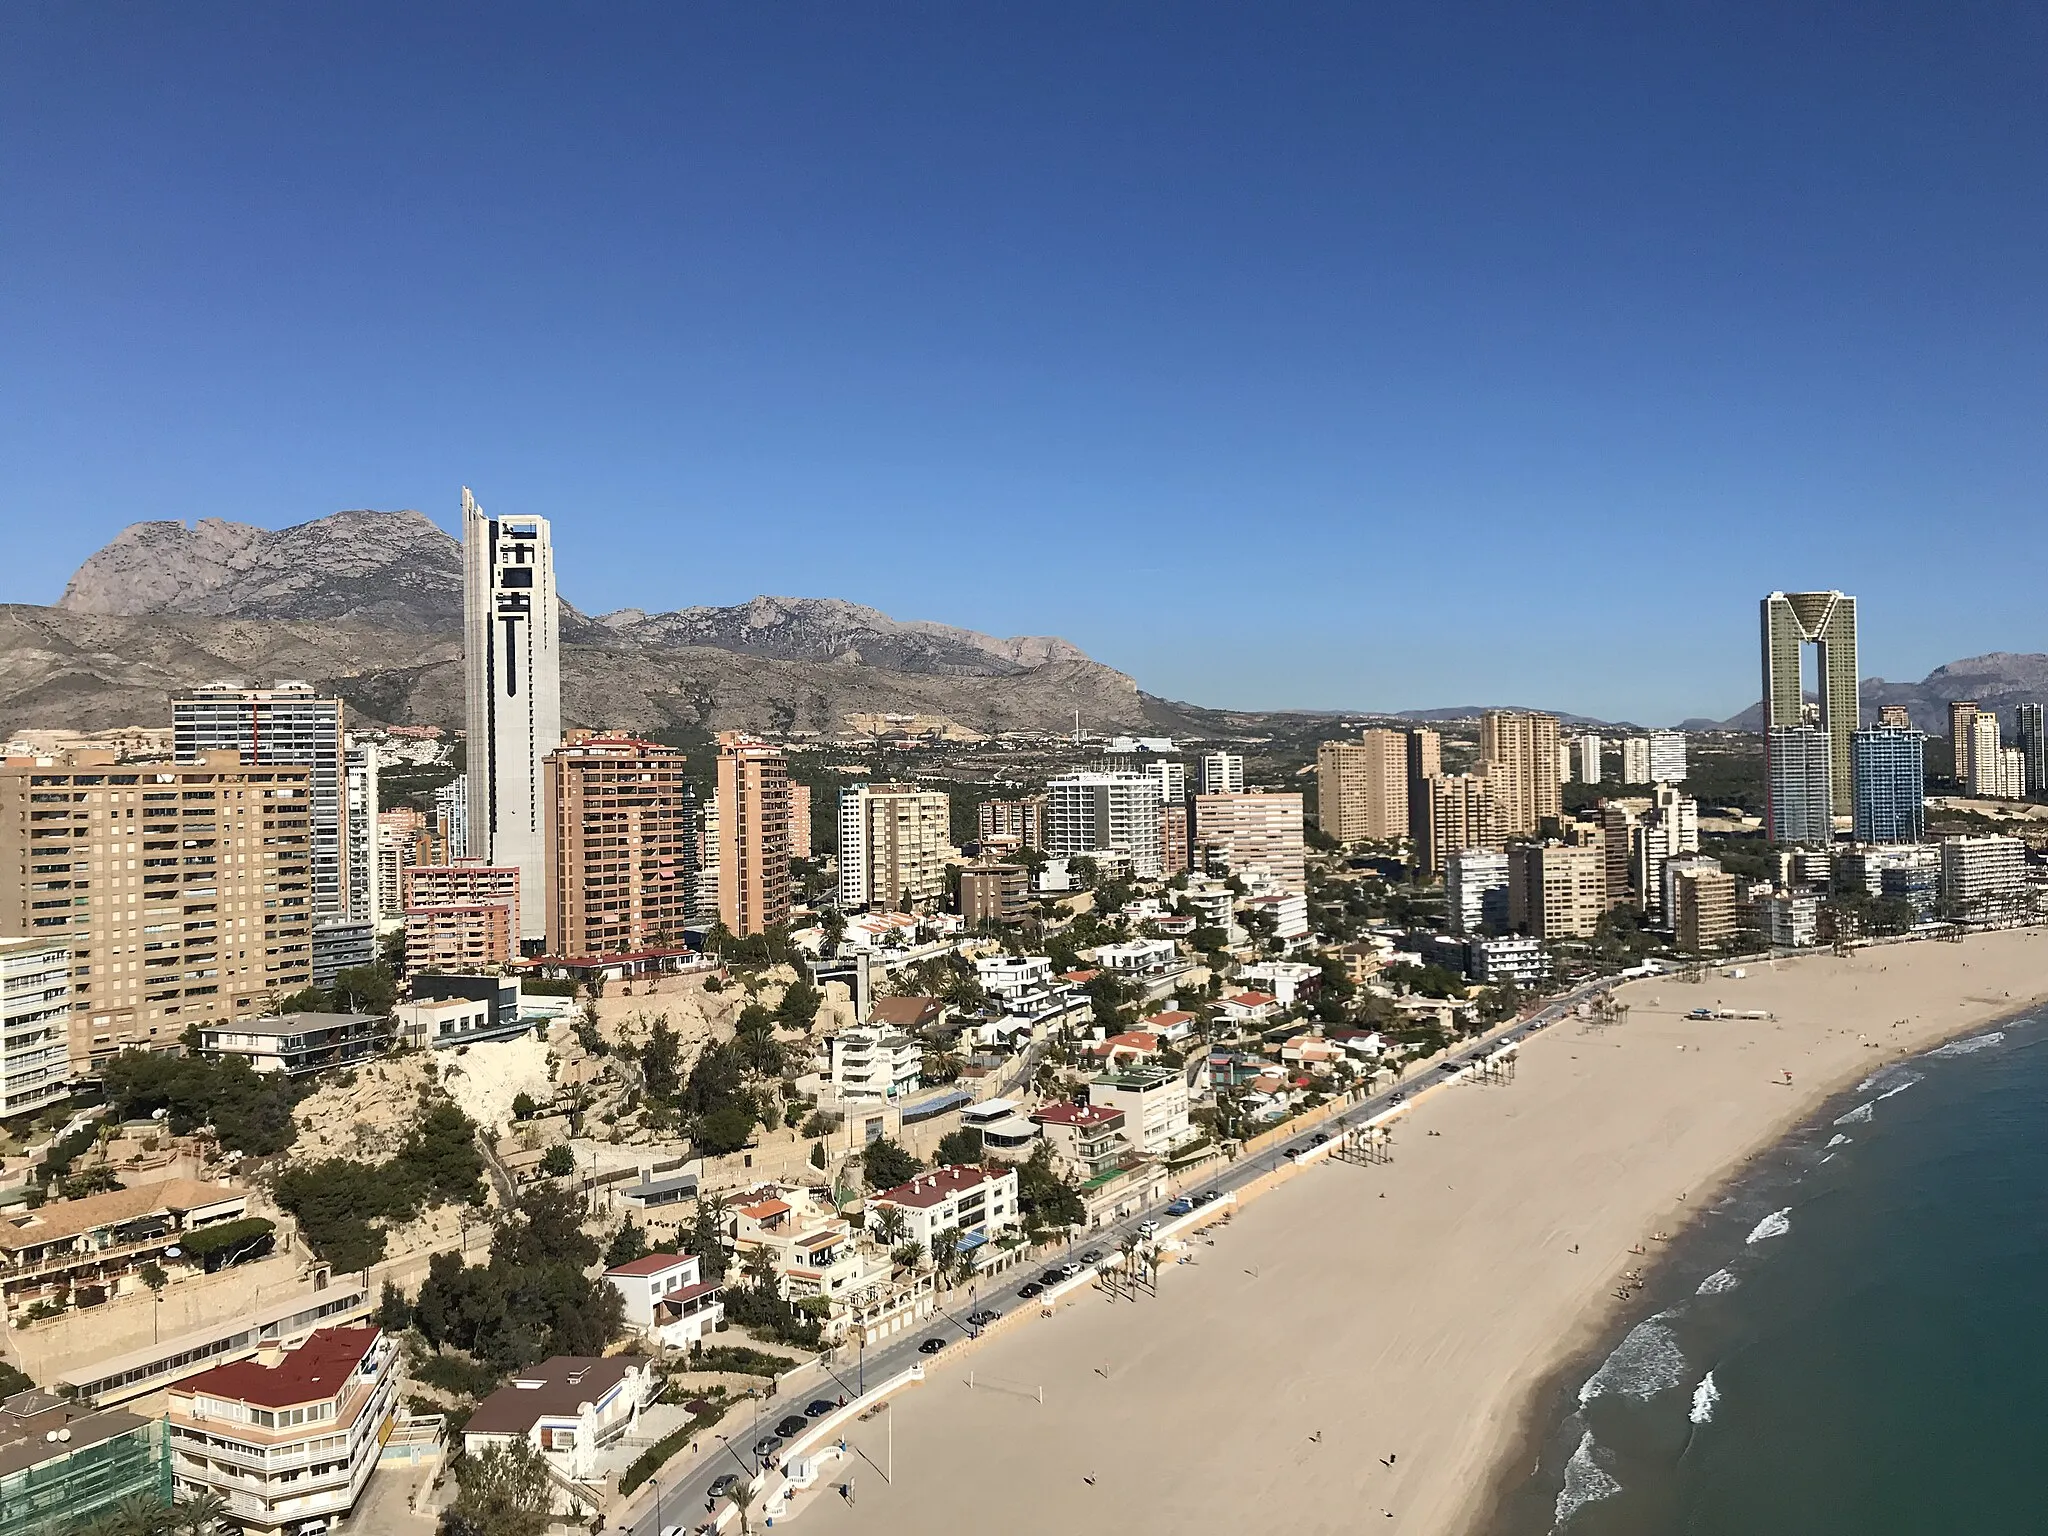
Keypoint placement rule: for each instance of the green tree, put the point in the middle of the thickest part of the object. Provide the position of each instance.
(661, 1062)
(799, 1005)
(366, 989)
(558, 1162)
(1045, 1200)
(505, 1491)
(523, 1107)
(961, 1146)
(725, 1130)
(886, 1163)
(394, 1312)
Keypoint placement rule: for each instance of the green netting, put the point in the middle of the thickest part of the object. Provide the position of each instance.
(61, 1495)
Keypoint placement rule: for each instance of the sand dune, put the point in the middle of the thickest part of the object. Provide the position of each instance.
(1409, 1310)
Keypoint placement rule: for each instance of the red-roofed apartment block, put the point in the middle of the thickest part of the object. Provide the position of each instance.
(665, 1298)
(290, 1437)
(981, 1202)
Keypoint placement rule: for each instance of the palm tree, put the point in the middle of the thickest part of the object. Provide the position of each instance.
(742, 1495)
(890, 1226)
(199, 1516)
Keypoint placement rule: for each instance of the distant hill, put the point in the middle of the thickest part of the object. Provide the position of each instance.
(369, 604)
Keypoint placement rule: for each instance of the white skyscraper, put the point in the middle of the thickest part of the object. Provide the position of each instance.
(1635, 760)
(361, 801)
(1667, 757)
(1589, 759)
(511, 657)
(1090, 812)
(1222, 774)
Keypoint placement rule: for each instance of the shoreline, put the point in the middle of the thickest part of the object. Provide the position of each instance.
(1512, 1503)
(1373, 1310)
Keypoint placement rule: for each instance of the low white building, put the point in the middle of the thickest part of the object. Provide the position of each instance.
(1286, 980)
(1790, 919)
(1136, 956)
(1288, 909)
(980, 1202)
(873, 1065)
(1154, 1104)
(1006, 1131)
(568, 1408)
(663, 1297)
(1520, 962)
(1009, 977)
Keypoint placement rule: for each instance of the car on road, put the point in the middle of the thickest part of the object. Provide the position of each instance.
(1208, 1195)
(767, 1445)
(1052, 1276)
(818, 1407)
(1092, 1256)
(1319, 1138)
(1399, 1097)
(1292, 1153)
(1029, 1289)
(983, 1318)
(792, 1426)
(1147, 1228)
(675, 1530)
(931, 1346)
(721, 1486)
(1180, 1207)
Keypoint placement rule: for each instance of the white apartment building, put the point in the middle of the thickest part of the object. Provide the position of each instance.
(1252, 836)
(1089, 813)
(1667, 757)
(568, 1408)
(359, 796)
(1635, 760)
(513, 689)
(35, 1031)
(1789, 919)
(451, 809)
(1010, 977)
(1222, 773)
(1984, 879)
(290, 1437)
(1170, 777)
(663, 1296)
(873, 1065)
(1476, 891)
(1587, 750)
(1669, 830)
(1514, 960)
(894, 841)
(1153, 1102)
(980, 1202)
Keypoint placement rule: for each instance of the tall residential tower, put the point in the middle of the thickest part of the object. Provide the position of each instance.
(511, 659)
(1790, 622)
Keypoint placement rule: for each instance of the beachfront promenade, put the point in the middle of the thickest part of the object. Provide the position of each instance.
(681, 1497)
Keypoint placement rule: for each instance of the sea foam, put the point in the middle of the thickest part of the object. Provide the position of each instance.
(1900, 1087)
(1836, 1140)
(1704, 1396)
(1584, 1481)
(1720, 1280)
(1857, 1116)
(1647, 1361)
(1966, 1047)
(1777, 1224)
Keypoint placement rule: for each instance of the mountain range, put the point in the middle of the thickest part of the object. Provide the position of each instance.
(368, 605)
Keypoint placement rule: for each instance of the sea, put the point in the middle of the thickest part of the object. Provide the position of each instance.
(1852, 1342)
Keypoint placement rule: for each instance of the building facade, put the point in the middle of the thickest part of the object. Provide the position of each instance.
(1962, 715)
(1556, 891)
(359, 829)
(1704, 919)
(1222, 773)
(1522, 753)
(1635, 760)
(184, 890)
(1667, 757)
(467, 883)
(753, 835)
(894, 840)
(1250, 835)
(35, 1024)
(1090, 813)
(994, 894)
(1790, 622)
(512, 675)
(618, 846)
(1476, 891)
(1008, 825)
(1891, 779)
(2030, 736)
(1362, 787)
(1799, 784)
(1984, 879)
(1463, 813)
(1586, 751)
(286, 725)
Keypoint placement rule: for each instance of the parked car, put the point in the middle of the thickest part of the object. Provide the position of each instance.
(1210, 1194)
(767, 1446)
(794, 1425)
(1180, 1207)
(818, 1407)
(1147, 1228)
(1291, 1153)
(1052, 1276)
(1319, 1138)
(1092, 1256)
(931, 1346)
(721, 1486)
(983, 1318)
(1029, 1289)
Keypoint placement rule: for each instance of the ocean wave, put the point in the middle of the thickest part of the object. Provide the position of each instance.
(1647, 1361)
(1898, 1088)
(1837, 1139)
(1966, 1047)
(1584, 1481)
(1720, 1280)
(1857, 1116)
(1777, 1224)
(1885, 1076)
(1704, 1396)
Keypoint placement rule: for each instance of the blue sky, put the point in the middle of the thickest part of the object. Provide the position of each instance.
(1332, 356)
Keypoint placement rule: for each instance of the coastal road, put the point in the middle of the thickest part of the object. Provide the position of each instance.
(684, 1490)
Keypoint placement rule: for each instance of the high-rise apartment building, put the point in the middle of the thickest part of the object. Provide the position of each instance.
(451, 812)
(1667, 757)
(183, 889)
(799, 820)
(1013, 824)
(1169, 776)
(1088, 813)
(1362, 787)
(467, 883)
(1984, 879)
(617, 845)
(753, 835)
(704, 904)
(1462, 813)
(1984, 765)
(1222, 774)
(1891, 777)
(1425, 762)
(359, 811)
(1670, 829)
(1520, 752)
(1962, 714)
(1587, 750)
(1896, 715)
(1619, 824)
(894, 840)
(1251, 835)
(1476, 891)
(1827, 621)
(35, 1024)
(511, 660)
(1556, 891)
(1635, 760)
(2030, 734)
(994, 893)
(1702, 902)
(1176, 856)
(1799, 784)
(285, 724)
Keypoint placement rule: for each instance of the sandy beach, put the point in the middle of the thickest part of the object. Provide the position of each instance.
(1360, 1347)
